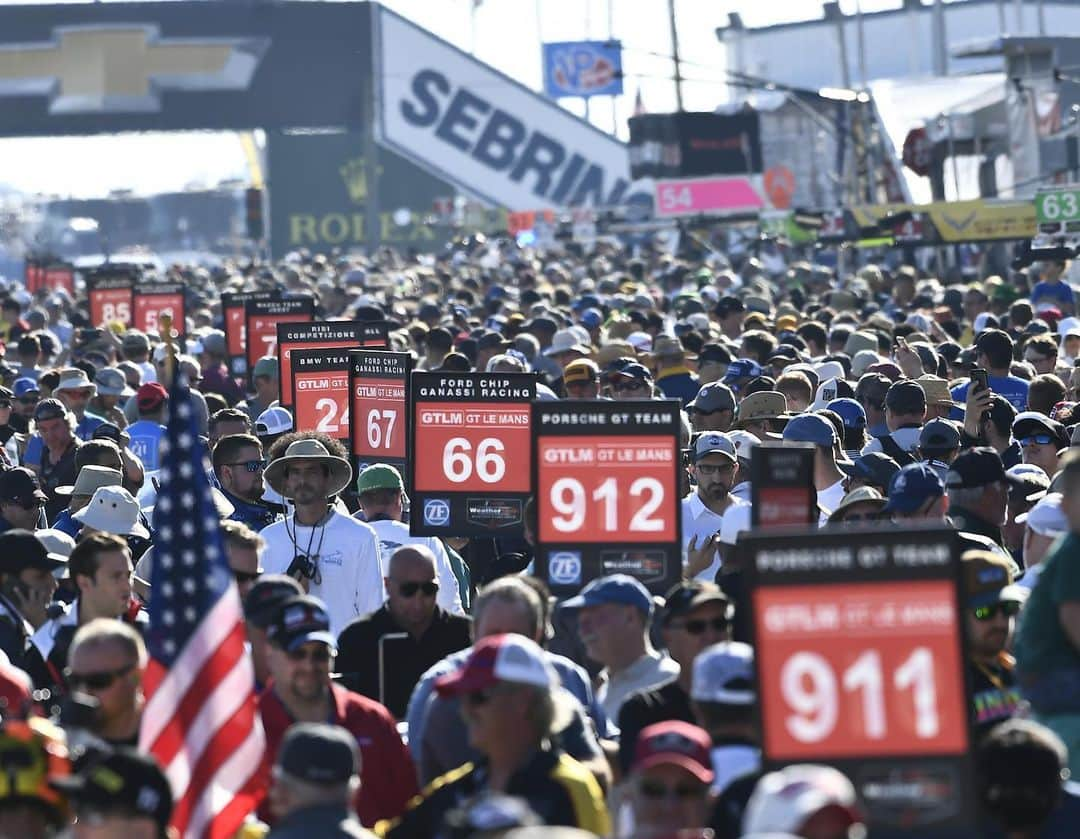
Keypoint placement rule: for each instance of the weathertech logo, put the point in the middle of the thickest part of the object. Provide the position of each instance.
(124, 67)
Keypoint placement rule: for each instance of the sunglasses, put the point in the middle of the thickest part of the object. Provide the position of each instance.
(657, 791)
(5, 404)
(861, 517)
(319, 655)
(1037, 439)
(29, 400)
(698, 627)
(714, 468)
(411, 589)
(250, 465)
(97, 681)
(477, 698)
(629, 387)
(246, 576)
(1007, 608)
(27, 503)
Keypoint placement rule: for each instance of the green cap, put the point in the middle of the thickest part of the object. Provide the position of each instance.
(379, 476)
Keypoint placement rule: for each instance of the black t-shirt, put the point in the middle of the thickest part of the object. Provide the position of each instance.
(667, 702)
(995, 696)
(404, 659)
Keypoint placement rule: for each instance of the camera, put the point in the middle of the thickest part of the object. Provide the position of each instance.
(302, 567)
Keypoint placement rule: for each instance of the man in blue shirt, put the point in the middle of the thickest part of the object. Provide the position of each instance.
(1052, 290)
(146, 434)
(994, 353)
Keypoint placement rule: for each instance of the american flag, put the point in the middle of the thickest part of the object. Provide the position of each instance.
(200, 720)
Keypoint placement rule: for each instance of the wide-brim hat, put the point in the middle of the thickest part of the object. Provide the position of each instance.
(341, 473)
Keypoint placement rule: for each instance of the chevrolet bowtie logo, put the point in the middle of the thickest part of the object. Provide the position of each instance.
(124, 67)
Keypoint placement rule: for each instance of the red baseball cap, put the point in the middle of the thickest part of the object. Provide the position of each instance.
(675, 743)
(499, 658)
(150, 395)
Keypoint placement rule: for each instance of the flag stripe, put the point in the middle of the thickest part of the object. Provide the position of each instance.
(182, 675)
(210, 764)
(218, 709)
(180, 732)
(234, 795)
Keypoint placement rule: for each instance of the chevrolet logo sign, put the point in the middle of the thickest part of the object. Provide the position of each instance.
(124, 67)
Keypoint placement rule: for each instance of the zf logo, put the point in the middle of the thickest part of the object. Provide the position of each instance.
(436, 512)
(564, 568)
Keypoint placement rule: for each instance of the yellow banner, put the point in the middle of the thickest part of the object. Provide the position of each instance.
(980, 220)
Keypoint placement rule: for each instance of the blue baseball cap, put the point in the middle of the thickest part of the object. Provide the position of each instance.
(810, 428)
(850, 411)
(911, 486)
(592, 318)
(620, 589)
(742, 368)
(24, 386)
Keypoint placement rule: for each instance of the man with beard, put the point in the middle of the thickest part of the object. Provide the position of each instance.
(992, 605)
(238, 465)
(714, 465)
(334, 556)
(301, 655)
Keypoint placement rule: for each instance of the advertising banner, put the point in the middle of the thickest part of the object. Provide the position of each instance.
(320, 390)
(153, 301)
(606, 484)
(110, 293)
(470, 438)
(379, 415)
(262, 318)
(488, 134)
(346, 334)
(860, 664)
(583, 68)
(233, 311)
(695, 144)
(322, 186)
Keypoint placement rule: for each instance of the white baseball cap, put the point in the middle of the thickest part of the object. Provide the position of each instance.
(724, 673)
(1046, 517)
(785, 800)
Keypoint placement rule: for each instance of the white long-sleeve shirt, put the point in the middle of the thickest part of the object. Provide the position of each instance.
(349, 561)
(393, 534)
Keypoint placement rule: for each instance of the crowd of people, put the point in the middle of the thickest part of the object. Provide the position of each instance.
(432, 687)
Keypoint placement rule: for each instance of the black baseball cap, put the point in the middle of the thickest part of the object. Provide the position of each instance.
(686, 596)
(21, 549)
(994, 342)
(49, 409)
(875, 468)
(123, 781)
(492, 340)
(266, 596)
(716, 353)
(318, 753)
(299, 620)
(906, 397)
(939, 435)
(19, 484)
(728, 306)
(978, 467)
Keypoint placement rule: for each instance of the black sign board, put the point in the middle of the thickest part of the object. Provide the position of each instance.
(319, 382)
(345, 334)
(379, 408)
(606, 488)
(262, 317)
(782, 489)
(469, 445)
(234, 314)
(860, 664)
(688, 144)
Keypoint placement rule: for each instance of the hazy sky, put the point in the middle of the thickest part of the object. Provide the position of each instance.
(507, 35)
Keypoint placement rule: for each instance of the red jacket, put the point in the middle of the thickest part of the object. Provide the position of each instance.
(387, 775)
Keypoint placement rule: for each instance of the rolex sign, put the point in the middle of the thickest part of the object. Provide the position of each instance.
(320, 186)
